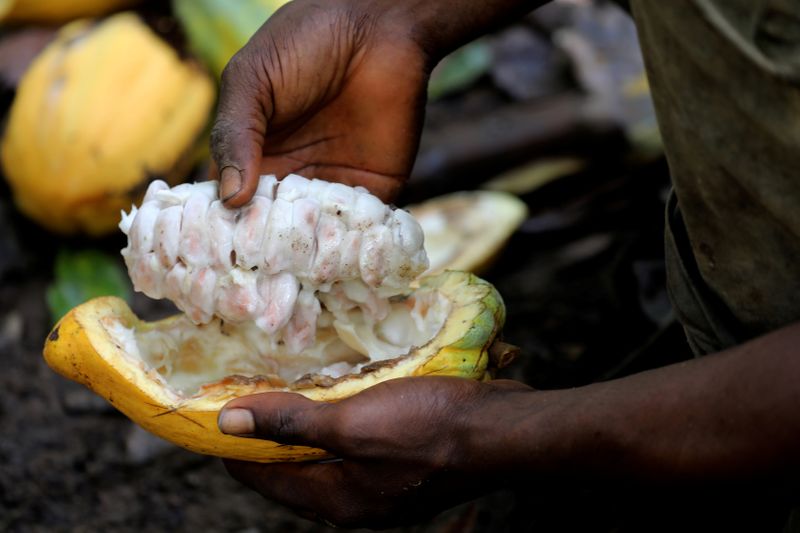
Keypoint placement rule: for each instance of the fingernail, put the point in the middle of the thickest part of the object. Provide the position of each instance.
(236, 421)
(230, 183)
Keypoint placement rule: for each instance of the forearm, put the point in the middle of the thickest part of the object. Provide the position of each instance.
(729, 416)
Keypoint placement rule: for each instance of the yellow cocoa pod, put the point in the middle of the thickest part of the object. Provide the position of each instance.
(467, 230)
(5, 8)
(103, 109)
(172, 377)
(55, 11)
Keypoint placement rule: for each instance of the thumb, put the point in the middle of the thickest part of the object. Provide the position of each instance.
(237, 137)
(287, 418)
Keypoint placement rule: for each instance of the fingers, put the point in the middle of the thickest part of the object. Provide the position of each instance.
(340, 494)
(287, 418)
(374, 495)
(238, 134)
(309, 489)
(385, 187)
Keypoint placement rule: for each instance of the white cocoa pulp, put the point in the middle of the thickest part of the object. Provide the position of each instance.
(299, 248)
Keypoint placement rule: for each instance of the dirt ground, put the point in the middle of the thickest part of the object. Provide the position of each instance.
(583, 282)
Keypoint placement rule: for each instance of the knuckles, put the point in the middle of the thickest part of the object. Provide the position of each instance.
(242, 77)
(239, 65)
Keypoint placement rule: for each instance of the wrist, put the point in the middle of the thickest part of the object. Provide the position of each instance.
(559, 435)
(514, 432)
(439, 27)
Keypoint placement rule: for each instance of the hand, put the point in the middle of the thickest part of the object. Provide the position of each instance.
(409, 448)
(332, 90)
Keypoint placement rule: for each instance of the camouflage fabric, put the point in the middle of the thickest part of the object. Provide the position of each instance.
(725, 78)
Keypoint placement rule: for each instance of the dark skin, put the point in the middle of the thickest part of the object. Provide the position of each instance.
(335, 90)
(291, 104)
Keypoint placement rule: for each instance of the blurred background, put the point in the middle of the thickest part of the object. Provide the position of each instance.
(554, 110)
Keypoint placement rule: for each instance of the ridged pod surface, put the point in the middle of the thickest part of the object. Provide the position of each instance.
(82, 347)
(103, 109)
(296, 242)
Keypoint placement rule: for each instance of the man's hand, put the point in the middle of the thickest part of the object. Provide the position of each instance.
(408, 448)
(332, 90)
(413, 446)
(335, 90)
